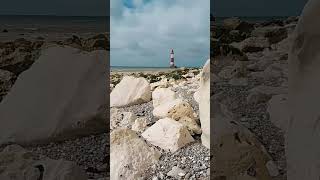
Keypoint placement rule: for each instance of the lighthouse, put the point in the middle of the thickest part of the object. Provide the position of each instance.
(172, 59)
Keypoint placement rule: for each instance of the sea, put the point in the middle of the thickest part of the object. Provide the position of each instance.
(253, 19)
(139, 69)
(29, 25)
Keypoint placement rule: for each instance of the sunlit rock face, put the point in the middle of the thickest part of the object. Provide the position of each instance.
(57, 98)
(303, 146)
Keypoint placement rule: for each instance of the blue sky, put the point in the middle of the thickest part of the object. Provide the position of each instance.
(143, 31)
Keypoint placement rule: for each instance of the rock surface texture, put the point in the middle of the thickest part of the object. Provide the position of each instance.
(51, 102)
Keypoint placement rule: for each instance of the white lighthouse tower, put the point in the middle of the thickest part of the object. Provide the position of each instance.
(172, 59)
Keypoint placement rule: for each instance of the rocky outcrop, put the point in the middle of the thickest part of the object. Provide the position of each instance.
(168, 134)
(130, 91)
(130, 156)
(50, 102)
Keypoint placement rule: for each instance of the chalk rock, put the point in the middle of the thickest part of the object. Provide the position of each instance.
(231, 23)
(130, 156)
(196, 96)
(242, 81)
(252, 44)
(162, 95)
(191, 124)
(164, 83)
(180, 110)
(176, 172)
(215, 78)
(6, 79)
(235, 146)
(57, 98)
(121, 119)
(262, 93)
(278, 110)
(130, 91)
(274, 34)
(168, 134)
(204, 104)
(162, 110)
(140, 124)
(18, 163)
(272, 169)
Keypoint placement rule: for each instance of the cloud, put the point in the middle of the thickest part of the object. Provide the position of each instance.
(142, 35)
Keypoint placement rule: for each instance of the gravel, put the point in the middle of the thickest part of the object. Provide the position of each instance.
(91, 153)
(254, 117)
(193, 159)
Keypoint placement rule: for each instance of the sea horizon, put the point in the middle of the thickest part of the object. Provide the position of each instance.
(143, 69)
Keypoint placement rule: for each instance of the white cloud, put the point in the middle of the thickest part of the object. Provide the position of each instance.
(143, 36)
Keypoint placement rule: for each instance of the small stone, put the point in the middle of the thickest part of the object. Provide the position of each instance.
(272, 168)
(176, 172)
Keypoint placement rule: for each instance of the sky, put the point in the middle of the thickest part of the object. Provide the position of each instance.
(56, 7)
(257, 7)
(143, 31)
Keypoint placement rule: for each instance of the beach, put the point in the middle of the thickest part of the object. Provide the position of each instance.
(251, 81)
(37, 46)
(191, 160)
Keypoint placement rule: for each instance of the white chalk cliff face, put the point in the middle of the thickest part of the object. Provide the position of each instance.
(303, 148)
(56, 98)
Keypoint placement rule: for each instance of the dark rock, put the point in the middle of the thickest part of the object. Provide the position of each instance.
(5, 31)
(74, 41)
(231, 23)
(277, 35)
(275, 22)
(245, 27)
(99, 41)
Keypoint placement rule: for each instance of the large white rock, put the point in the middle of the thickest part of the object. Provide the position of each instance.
(58, 97)
(184, 113)
(235, 148)
(303, 149)
(168, 134)
(204, 104)
(278, 111)
(130, 156)
(162, 110)
(130, 91)
(162, 95)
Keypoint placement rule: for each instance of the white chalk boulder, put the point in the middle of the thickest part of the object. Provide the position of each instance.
(162, 95)
(168, 134)
(57, 98)
(204, 104)
(162, 110)
(130, 91)
(130, 156)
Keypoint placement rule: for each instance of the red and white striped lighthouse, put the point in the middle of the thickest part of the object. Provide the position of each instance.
(172, 59)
